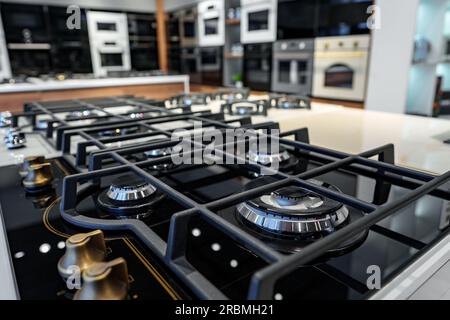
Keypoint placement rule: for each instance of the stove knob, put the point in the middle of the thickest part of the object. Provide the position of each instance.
(27, 162)
(39, 175)
(105, 281)
(82, 250)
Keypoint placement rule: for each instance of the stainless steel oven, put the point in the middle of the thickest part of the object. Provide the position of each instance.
(211, 65)
(191, 63)
(108, 37)
(340, 67)
(258, 66)
(258, 21)
(293, 66)
(211, 23)
(188, 27)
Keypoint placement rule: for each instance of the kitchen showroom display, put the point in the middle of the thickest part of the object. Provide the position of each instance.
(159, 230)
(211, 23)
(108, 37)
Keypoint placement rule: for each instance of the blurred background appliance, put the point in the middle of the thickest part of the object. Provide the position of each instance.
(5, 70)
(258, 21)
(28, 38)
(293, 66)
(191, 63)
(340, 67)
(108, 36)
(188, 27)
(258, 66)
(143, 44)
(297, 19)
(211, 23)
(211, 65)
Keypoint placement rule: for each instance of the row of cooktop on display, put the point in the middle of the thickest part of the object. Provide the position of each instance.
(115, 217)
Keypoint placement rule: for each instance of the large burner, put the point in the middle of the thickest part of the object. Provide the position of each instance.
(292, 216)
(129, 195)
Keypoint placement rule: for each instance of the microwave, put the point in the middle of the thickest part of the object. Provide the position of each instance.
(211, 23)
(258, 21)
(109, 43)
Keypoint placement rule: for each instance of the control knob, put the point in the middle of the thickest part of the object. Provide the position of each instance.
(39, 176)
(82, 250)
(27, 162)
(105, 281)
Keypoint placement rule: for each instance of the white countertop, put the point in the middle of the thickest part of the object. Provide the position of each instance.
(52, 85)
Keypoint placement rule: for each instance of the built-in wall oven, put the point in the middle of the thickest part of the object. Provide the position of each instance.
(188, 27)
(293, 66)
(27, 37)
(297, 19)
(143, 45)
(5, 70)
(258, 21)
(211, 23)
(70, 48)
(108, 37)
(258, 66)
(191, 63)
(211, 65)
(343, 17)
(340, 67)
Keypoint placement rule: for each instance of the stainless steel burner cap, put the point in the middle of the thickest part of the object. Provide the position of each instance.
(156, 153)
(266, 158)
(129, 188)
(293, 225)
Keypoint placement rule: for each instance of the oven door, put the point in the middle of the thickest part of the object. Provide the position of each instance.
(190, 64)
(110, 58)
(258, 22)
(211, 23)
(107, 25)
(210, 59)
(340, 75)
(188, 30)
(292, 72)
(258, 66)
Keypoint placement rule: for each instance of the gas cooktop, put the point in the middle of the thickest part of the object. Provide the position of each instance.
(115, 217)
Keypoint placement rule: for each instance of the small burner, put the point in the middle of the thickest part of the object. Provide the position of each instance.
(75, 115)
(281, 101)
(287, 161)
(118, 132)
(128, 196)
(158, 153)
(190, 99)
(245, 107)
(291, 217)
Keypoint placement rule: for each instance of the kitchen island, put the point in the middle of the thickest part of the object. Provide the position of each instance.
(13, 96)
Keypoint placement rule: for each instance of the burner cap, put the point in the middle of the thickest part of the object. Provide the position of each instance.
(156, 153)
(293, 210)
(81, 114)
(266, 157)
(129, 196)
(129, 188)
(295, 196)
